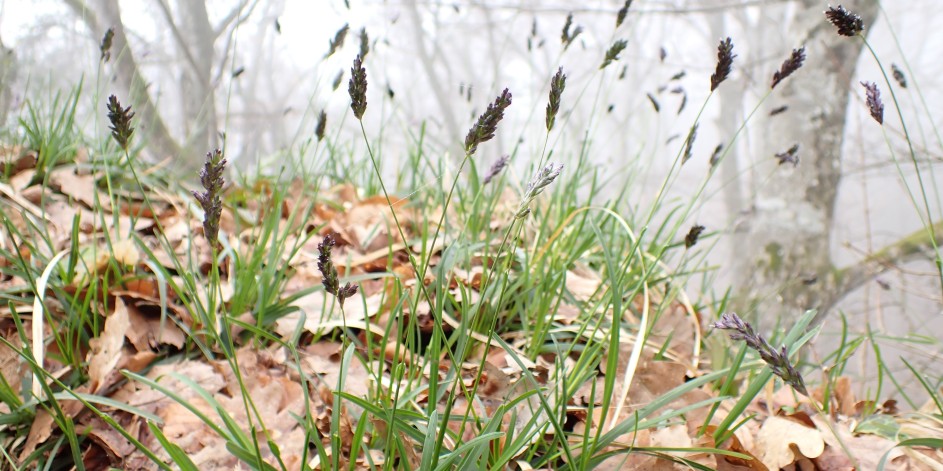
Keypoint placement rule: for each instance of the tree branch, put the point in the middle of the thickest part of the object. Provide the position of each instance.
(914, 246)
(181, 42)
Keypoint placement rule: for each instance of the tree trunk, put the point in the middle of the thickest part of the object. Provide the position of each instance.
(790, 224)
(198, 93)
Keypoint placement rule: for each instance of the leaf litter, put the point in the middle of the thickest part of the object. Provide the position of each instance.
(199, 406)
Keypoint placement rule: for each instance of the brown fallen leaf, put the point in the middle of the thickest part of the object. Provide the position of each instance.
(779, 439)
(39, 432)
(107, 349)
(81, 188)
(12, 367)
(125, 252)
(15, 159)
(732, 463)
(148, 332)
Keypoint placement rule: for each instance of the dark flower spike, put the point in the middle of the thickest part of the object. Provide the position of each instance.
(689, 144)
(725, 57)
(211, 177)
(613, 53)
(337, 79)
(791, 156)
(120, 118)
(848, 23)
(777, 360)
(693, 234)
(329, 277)
(364, 43)
(357, 88)
(338, 40)
(105, 46)
(496, 169)
(655, 104)
(874, 101)
(557, 84)
(899, 76)
(567, 37)
(792, 64)
(620, 17)
(715, 157)
(321, 126)
(487, 124)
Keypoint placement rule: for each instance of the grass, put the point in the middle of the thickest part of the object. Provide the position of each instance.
(325, 317)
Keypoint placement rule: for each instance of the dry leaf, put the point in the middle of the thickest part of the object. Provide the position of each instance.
(147, 332)
(81, 188)
(125, 252)
(106, 350)
(582, 282)
(779, 437)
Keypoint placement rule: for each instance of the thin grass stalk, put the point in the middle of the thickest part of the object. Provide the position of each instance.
(931, 231)
(437, 328)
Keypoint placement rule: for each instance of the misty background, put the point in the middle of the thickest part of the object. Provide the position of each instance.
(255, 74)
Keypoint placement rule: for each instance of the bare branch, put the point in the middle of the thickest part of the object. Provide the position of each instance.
(181, 41)
(233, 15)
(915, 246)
(224, 54)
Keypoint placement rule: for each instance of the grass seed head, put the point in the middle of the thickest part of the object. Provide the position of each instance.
(790, 156)
(211, 177)
(496, 169)
(899, 76)
(693, 234)
(848, 23)
(875, 105)
(620, 17)
(689, 144)
(120, 119)
(357, 88)
(364, 43)
(725, 57)
(792, 64)
(105, 46)
(718, 152)
(338, 40)
(542, 179)
(777, 360)
(613, 53)
(567, 36)
(329, 276)
(320, 127)
(483, 130)
(557, 84)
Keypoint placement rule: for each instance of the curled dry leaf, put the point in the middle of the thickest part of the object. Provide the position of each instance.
(81, 188)
(779, 440)
(126, 253)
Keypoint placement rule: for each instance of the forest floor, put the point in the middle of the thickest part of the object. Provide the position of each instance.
(130, 340)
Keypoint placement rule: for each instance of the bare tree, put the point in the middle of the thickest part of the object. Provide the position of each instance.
(200, 73)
